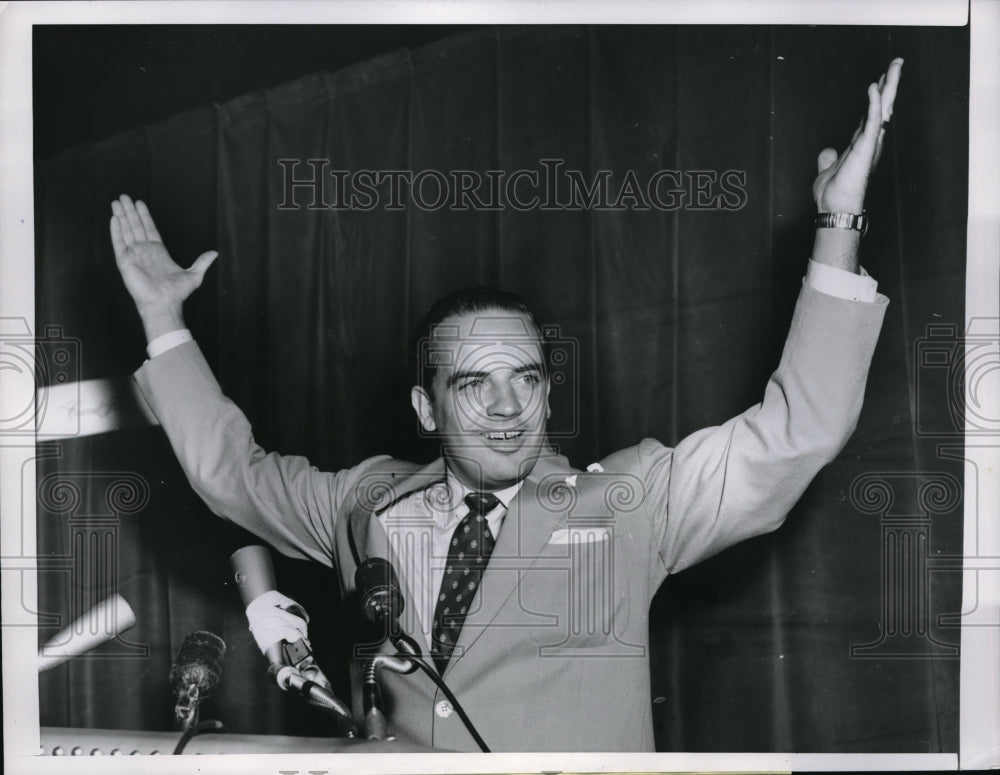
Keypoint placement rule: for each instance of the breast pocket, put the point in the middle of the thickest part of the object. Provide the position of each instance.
(573, 585)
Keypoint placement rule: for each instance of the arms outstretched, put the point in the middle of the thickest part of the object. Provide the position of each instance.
(158, 286)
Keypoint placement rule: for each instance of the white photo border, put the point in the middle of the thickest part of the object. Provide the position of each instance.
(980, 666)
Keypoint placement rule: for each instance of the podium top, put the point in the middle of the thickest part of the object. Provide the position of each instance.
(67, 741)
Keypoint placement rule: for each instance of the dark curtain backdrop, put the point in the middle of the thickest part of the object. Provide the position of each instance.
(676, 317)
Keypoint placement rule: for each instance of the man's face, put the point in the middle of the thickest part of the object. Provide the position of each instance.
(490, 397)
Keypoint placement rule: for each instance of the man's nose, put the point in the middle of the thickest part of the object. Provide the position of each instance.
(504, 401)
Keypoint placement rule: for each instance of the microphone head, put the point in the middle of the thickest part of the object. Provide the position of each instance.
(198, 663)
(379, 590)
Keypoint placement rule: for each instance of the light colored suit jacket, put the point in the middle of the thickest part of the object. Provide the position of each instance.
(554, 654)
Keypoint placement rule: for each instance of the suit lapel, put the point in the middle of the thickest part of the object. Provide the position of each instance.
(370, 533)
(380, 494)
(531, 517)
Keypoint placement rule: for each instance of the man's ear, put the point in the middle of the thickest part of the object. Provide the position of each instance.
(422, 406)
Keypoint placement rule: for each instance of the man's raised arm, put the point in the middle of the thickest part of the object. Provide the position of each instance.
(281, 498)
(158, 286)
(724, 484)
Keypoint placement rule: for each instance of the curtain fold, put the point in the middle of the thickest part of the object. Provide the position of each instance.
(671, 320)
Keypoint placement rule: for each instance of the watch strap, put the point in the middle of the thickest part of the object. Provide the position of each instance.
(843, 221)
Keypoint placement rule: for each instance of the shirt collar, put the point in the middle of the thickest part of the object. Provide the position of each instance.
(454, 493)
(458, 491)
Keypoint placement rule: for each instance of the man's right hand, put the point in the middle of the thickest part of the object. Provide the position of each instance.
(158, 286)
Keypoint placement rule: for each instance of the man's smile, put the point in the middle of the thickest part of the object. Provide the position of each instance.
(503, 435)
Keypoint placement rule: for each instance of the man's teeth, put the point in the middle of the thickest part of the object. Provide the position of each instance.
(503, 435)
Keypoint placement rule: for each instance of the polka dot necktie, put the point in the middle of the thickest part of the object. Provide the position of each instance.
(469, 551)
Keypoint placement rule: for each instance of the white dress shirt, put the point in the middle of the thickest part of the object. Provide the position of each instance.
(419, 529)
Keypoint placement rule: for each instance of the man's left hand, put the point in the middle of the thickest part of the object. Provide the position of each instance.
(842, 179)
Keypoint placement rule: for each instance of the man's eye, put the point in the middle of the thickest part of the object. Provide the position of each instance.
(530, 378)
(466, 384)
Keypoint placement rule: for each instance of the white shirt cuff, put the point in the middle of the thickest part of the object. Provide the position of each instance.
(841, 283)
(168, 341)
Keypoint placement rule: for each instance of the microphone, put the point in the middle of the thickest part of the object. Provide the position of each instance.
(379, 590)
(195, 674)
(254, 574)
(105, 621)
(382, 602)
(290, 661)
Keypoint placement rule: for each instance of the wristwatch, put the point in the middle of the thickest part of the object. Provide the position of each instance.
(843, 221)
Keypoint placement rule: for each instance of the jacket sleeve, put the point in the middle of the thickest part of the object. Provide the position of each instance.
(724, 484)
(281, 498)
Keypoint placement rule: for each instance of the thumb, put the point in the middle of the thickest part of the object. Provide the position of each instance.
(827, 157)
(202, 263)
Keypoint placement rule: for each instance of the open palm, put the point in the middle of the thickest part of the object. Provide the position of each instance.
(152, 277)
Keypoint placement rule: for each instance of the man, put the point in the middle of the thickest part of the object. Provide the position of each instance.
(529, 581)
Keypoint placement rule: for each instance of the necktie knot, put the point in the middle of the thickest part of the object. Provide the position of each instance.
(481, 503)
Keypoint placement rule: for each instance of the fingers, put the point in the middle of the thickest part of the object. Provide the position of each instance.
(124, 230)
(888, 86)
(131, 224)
(857, 134)
(147, 222)
(132, 216)
(117, 238)
(118, 207)
(873, 121)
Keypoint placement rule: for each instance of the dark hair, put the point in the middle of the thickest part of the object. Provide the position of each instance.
(465, 301)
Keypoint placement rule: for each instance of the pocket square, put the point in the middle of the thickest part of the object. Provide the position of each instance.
(579, 535)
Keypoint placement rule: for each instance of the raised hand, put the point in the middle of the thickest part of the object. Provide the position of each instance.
(158, 286)
(842, 180)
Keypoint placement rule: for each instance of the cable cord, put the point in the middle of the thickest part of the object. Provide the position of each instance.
(198, 729)
(432, 672)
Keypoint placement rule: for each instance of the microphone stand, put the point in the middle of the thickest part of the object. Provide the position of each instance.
(382, 603)
(376, 726)
(404, 662)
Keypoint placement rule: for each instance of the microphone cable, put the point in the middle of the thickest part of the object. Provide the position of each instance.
(369, 678)
(433, 673)
(388, 621)
(198, 729)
